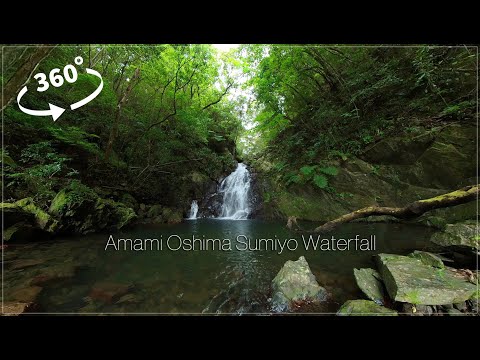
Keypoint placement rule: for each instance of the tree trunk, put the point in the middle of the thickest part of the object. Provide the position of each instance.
(415, 209)
(23, 73)
(118, 113)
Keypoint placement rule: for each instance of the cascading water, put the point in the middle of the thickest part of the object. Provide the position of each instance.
(235, 189)
(193, 210)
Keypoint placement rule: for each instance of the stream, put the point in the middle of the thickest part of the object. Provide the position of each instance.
(166, 281)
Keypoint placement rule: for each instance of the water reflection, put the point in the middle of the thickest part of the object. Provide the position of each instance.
(190, 281)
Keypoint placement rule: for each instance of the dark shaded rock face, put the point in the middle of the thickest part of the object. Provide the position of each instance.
(255, 196)
(210, 206)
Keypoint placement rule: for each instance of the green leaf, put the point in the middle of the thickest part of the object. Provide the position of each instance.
(329, 170)
(307, 171)
(320, 181)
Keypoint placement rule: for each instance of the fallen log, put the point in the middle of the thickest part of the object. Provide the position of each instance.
(415, 209)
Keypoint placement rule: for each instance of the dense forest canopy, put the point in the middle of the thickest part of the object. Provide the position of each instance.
(319, 103)
(164, 104)
(169, 110)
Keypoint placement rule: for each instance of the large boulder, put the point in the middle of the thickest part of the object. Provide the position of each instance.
(23, 220)
(81, 211)
(408, 279)
(460, 235)
(26, 211)
(295, 283)
(370, 282)
(364, 308)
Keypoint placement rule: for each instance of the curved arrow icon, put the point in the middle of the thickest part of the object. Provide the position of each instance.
(92, 95)
(54, 112)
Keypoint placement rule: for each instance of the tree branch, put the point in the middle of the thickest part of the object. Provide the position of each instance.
(415, 209)
(220, 98)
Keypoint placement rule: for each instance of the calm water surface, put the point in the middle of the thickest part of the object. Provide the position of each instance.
(190, 281)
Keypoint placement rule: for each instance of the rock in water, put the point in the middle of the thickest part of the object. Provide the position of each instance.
(295, 282)
(109, 292)
(364, 308)
(409, 280)
(461, 235)
(428, 258)
(370, 282)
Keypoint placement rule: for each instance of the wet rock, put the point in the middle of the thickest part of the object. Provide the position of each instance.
(370, 282)
(109, 292)
(459, 235)
(409, 280)
(25, 263)
(26, 295)
(364, 308)
(428, 258)
(295, 283)
(18, 308)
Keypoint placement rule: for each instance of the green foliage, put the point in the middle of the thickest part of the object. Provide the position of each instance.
(316, 103)
(307, 171)
(329, 170)
(320, 181)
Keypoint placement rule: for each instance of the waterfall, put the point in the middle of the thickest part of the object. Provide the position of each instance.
(192, 215)
(235, 190)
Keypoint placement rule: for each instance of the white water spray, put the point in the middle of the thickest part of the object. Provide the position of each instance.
(193, 210)
(235, 189)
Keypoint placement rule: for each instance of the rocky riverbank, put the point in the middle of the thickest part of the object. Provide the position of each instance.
(418, 284)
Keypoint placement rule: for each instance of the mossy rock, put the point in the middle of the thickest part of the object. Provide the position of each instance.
(81, 211)
(364, 308)
(428, 258)
(13, 214)
(461, 235)
(43, 220)
(409, 280)
(21, 232)
(370, 282)
(23, 215)
(295, 282)
(72, 199)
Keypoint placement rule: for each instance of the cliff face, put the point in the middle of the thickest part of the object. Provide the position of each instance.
(392, 172)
